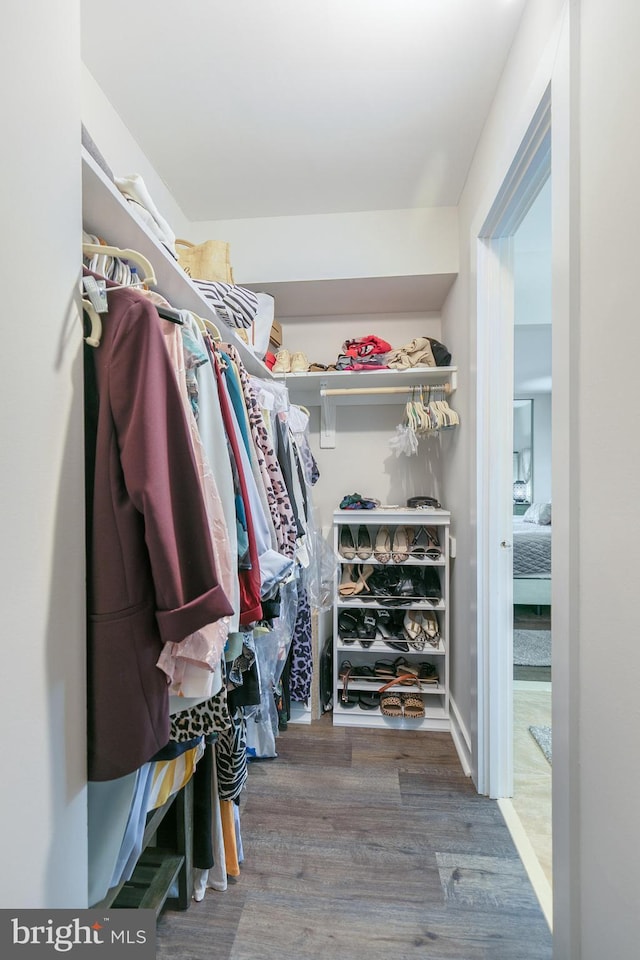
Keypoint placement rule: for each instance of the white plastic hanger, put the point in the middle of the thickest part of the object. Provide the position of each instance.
(100, 249)
(93, 340)
(213, 330)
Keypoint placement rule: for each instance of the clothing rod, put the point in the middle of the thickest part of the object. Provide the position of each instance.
(363, 391)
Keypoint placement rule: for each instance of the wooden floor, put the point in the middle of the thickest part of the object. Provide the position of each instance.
(532, 771)
(365, 845)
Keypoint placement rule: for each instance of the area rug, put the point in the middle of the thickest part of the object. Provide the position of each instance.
(542, 736)
(532, 648)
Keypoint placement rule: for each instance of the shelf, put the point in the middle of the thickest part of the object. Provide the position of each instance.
(359, 603)
(395, 516)
(364, 686)
(311, 384)
(394, 566)
(106, 214)
(378, 646)
(152, 879)
(379, 386)
(435, 695)
(435, 718)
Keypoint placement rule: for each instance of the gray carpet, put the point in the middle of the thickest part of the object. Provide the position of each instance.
(532, 648)
(542, 736)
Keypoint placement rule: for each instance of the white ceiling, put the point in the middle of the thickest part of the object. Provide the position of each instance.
(259, 108)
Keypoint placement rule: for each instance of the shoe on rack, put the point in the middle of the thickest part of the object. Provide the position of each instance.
(432, 585)
(299, 362)
(349, 580)
(412, 625)
(363, 543)
(382, 548)
(430, 627)
(347, 545)
(367, 627)
(400, 549)
(348, 623)
(434, 550)
(413, 706)
(362, 585)
(418, 543)
(283, 362)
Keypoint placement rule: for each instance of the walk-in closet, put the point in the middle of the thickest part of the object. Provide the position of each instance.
(264, 476)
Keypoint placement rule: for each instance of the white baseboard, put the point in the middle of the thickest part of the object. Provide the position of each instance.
(461, 738)
(300, 713)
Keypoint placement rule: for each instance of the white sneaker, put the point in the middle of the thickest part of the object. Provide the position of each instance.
(299, 363)
(283, 362)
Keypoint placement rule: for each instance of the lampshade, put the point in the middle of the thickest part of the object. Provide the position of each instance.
(520, 491)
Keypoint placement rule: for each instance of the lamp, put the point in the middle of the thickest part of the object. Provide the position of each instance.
(520, 491)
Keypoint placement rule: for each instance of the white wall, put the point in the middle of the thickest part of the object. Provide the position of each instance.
(44, 847)
(523, 82)
(541, 447)
(321, 338)
(608, 465)
(378, 243)
(532, 378)
(122, 152)
(362, 460)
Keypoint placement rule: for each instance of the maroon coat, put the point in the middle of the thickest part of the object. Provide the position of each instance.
(151, 571)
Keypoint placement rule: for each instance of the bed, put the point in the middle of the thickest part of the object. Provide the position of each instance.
(531, 562)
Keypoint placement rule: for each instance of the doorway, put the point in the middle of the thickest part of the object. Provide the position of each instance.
(497, 252)
(532, 528)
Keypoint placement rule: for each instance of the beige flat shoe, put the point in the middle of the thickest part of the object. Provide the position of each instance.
(299, 362)
(283, 362)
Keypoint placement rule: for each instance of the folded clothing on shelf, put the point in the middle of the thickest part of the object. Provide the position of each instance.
(355, 501)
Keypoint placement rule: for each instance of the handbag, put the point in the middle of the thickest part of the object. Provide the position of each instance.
(205, 261)
(423, 502)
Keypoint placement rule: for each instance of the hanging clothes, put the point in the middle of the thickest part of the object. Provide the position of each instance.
(152, 576)
(300, 665)
(203, 648)
(249, 579)
(277, 493)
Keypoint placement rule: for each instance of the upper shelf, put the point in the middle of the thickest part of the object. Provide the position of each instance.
(106, 214)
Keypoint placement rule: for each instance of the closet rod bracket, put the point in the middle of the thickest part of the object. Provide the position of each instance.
(327, 418)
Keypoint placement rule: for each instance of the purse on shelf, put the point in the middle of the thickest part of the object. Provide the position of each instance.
(205, 261)
(424, 502)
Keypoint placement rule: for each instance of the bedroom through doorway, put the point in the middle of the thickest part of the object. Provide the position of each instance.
(532, 621)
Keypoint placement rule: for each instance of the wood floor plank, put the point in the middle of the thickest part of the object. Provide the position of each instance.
(365, 845)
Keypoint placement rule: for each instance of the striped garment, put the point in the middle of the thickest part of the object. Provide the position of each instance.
(236, 306)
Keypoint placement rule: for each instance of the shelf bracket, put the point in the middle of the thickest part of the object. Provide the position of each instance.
(327, 419)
